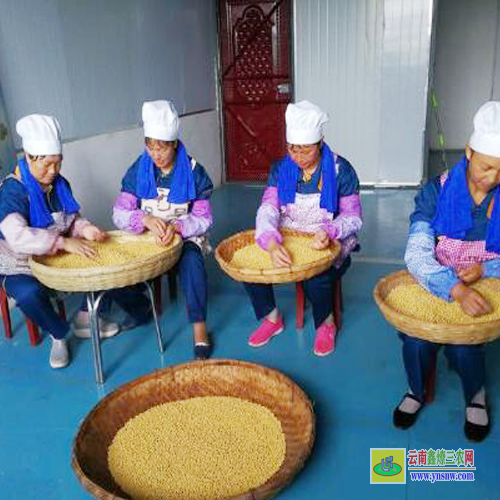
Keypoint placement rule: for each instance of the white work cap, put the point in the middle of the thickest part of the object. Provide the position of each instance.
(304, 123)
(41, 135)
(485, 138)
(161, 120)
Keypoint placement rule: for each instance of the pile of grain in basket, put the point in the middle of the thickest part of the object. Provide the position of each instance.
(202, 448)
(413, 300)
(254, 257)
(109, 253)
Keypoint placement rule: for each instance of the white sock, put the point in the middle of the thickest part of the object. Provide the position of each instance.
(273, 316)
(409, 405)
(478, 416)
(328, 321)
(82, 317)
(57, 340)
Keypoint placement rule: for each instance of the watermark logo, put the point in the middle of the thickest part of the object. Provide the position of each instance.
(387, 465)
(441, 465)
(441, 459)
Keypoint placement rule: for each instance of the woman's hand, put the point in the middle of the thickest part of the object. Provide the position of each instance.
(156, 225)
(279, 254)
(470, 300)
(168, 236)
(321, 240)
(93, 233)
(472, 273)
(79, 247)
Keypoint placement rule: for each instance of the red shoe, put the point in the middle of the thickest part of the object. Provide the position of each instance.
(324, 343)
(263, 334)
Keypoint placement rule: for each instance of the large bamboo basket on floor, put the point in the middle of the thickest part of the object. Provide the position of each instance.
(476, 333)
(226, 248)
(249, 381)
(94, 279)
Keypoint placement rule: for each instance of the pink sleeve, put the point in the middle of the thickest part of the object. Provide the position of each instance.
(268, 219)
(24, 239)
(347, 246)
(270, 197)
(59, 245)
(78, 226)
(126, 215)
(198, 221)
(349, 219)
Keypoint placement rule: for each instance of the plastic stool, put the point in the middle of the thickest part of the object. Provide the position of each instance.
(338, 304)
(32, 327)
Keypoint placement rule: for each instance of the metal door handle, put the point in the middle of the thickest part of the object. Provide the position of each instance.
(283, 88)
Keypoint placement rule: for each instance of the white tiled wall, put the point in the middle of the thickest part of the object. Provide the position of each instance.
(366, 62)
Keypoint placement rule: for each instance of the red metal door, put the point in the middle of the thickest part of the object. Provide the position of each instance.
(256, 83)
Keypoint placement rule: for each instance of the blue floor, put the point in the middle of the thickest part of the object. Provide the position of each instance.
(354, 390)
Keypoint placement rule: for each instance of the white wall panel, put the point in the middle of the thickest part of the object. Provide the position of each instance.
(6, 144)
(467, 67)
(92, 63)
(366, 62)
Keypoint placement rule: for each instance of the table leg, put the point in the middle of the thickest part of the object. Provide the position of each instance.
(155, 315)
(93, 307)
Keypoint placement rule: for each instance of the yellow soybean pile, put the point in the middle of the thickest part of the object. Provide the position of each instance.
(413, 300)
(202, 448)
(254, 257)
(109, 253)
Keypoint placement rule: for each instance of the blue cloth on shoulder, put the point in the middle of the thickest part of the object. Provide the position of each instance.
(289, 174)
(454, 209)
(183, 187)
(40, 215)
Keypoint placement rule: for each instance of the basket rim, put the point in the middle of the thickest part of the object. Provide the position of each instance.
(298, 392)
(335, 249)
(388, 310)
(90, 272)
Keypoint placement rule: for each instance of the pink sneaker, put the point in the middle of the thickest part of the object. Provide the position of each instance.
(263, 334)
(324, 343)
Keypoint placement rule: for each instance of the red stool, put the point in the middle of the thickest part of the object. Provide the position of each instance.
(338, 304)
(32, 328)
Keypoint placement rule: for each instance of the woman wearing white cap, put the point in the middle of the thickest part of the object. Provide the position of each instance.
(454, 240)
(168, 192)
(39, 216)
(315, 191)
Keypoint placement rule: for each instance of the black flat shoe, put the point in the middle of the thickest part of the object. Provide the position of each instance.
(202, 350)
(475, 432)
(402, 419)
